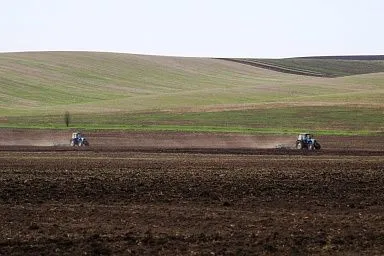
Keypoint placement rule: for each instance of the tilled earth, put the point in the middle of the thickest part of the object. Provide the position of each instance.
(180, 200)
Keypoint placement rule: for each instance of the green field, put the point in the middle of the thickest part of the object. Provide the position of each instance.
(124, 91)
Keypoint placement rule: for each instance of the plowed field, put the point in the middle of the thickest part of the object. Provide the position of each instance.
(115, 198)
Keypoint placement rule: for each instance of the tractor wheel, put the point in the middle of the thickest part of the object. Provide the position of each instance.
(317, 146)
(299, 145)
(72, 143)
(80, 144)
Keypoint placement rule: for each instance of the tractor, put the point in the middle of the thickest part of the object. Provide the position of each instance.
(305, 141)
(78, 140)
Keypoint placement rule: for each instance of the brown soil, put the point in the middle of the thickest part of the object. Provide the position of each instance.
(190, 198)
(115, 140)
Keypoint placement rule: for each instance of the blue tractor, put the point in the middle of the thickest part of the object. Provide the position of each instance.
(78, 140)
(305, 141)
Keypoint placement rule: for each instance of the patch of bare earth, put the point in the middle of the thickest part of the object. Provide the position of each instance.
(167, 200)
(109, 140)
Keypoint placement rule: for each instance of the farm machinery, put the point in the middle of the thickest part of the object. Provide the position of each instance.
(78, 140)
(305, 141)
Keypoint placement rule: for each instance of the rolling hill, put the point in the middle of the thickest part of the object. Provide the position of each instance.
(113, 90)
(321, 66)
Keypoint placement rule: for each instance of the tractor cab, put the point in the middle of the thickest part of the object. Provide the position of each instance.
(304, 136)
(76, 135)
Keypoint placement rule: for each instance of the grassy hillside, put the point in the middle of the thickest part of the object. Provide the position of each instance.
(327, 66)
(111, 90)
